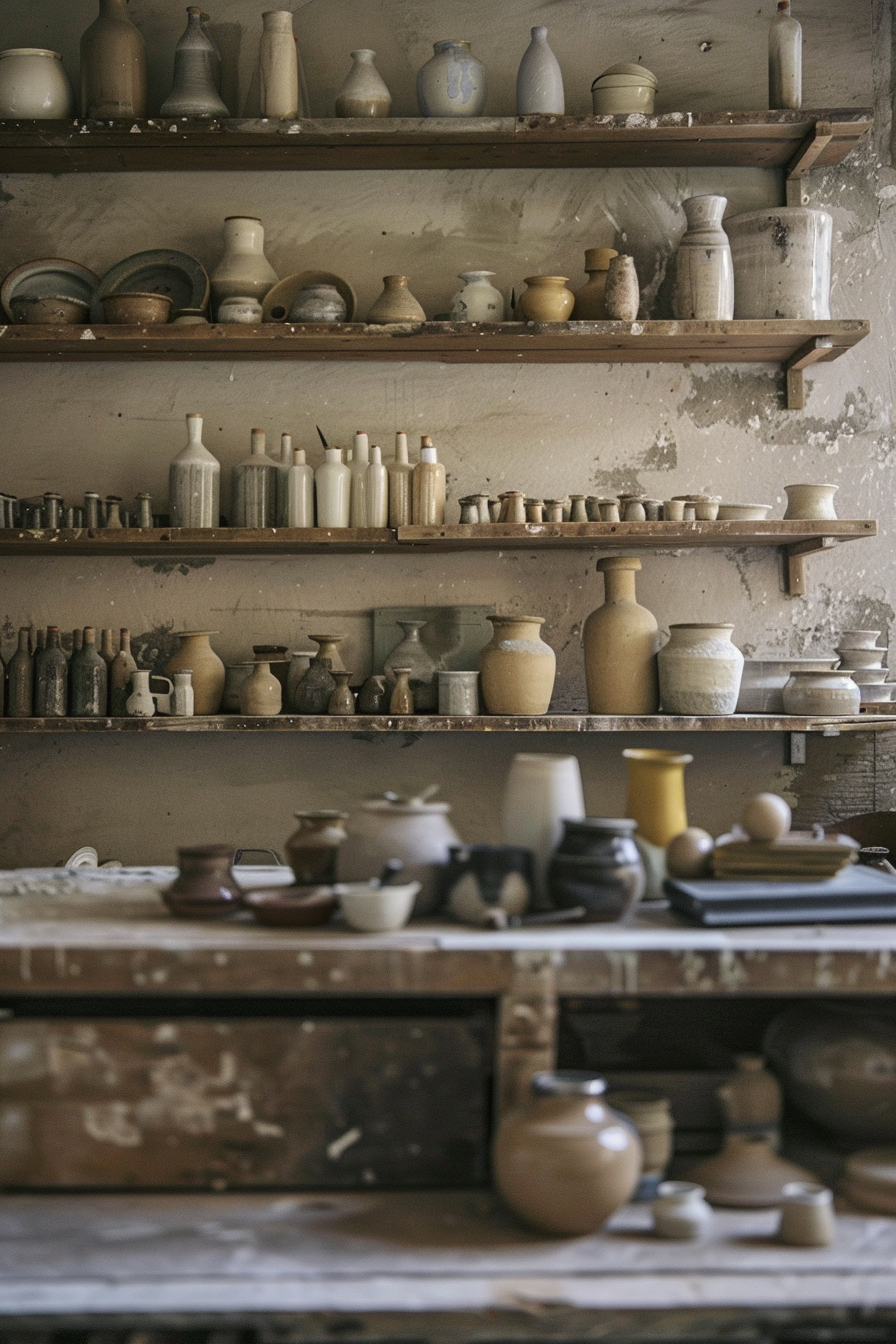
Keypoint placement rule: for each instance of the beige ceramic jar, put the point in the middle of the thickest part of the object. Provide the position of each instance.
(811, 693)
(620, 645)
(590, 299)
(752, 1096)
(196, 655)
(546, 299)
(565, 1162)
(420, 834)
(395, 304)
(517, 669)
(700, 670)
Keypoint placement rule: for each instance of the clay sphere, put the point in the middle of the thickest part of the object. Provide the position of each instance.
(689, 854)
(766, 817)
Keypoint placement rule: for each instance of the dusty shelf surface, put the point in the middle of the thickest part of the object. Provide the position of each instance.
(762, 139)
(412, 1254)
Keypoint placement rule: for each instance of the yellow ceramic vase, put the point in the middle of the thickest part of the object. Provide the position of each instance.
(656, 793)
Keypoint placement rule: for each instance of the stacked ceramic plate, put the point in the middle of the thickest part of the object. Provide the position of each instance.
(797, 857)
(869, 1181)
(863, 660)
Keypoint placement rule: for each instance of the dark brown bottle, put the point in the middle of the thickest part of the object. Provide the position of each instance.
(51, 678)
(20, 701)
(89, 680)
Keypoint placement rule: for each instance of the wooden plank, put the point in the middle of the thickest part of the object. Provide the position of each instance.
(675, 139)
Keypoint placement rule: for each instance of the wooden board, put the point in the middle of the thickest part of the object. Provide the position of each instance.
(647, 342)
(672, 139)
(286, 1102)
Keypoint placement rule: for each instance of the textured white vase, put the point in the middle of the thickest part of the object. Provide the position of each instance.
(278, 66)
(194, 482)
(704, 275)
(782, 263)
(542, 791)
(700, 670)
(479, 300)
(539, 81)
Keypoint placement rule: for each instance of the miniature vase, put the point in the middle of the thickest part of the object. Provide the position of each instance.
(332, 490)
(255, 483)
(396, 303)
(810, 501)
(34, 86)
(89, 680)
(620, 642)
(622, 295)
(278, 66)
(51, 678)
(419, 834)
(196, 71)
(543, 790)
(700, 670)
(373, 698)
(400, 473)
(363, 92)
(751, 1099)
(316, 687)
(597, 867)
(590, 300)
(341, 702)
(412, 654)
(20, 677)
(194, 482)
(680, 1211)
(196, 654)
(428, 487)
(205, 887)
(246, 312)
(539, 81)
(704, 274)
(452, 83)
(656, 793)
(401, 698)
(478, 301)
(140, 704)
(313, 848)
(517, 668)
(785, 60)
(565, 1162)
(261, 694)
(243, 271)
(113, 66)
(546, 299)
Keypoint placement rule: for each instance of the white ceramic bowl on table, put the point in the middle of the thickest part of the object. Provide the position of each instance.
(377, 909)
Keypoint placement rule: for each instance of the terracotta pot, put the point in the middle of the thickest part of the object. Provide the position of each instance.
(396, 303)
(565, 1162)
(747, 1173)
(517, 668)
(546, 299)
(419, 834)
(656, 792)
(620, 645)
(700, 670)
(205, 887)
(313, 848)
(197, 655)
(597, 865)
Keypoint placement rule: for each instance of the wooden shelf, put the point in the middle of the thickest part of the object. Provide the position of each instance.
(789, 140)
(437, 723)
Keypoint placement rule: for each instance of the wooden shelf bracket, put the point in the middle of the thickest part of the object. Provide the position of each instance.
(809, 152)
(819, 348)
(795, 563)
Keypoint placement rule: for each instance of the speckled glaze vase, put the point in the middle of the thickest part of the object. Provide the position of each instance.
(517, 667)
(479, 300)
(622, 294)
(196, 655)
(364, 92)
(452, 83)
(196, 68)
(704, 275)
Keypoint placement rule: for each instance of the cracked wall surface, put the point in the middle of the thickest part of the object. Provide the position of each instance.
(544, 430)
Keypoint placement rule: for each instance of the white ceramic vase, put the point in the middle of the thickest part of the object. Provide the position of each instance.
(194, 482)
(542, 791)
(364, 92)
(452, 83)
(539, 80)
(299, 492)
(34, 86)
(785, 59)
(810, 501)
(244, 270)
(332, 490)
(479, 300)
(782, 263)
(700, 670)
(278, 66)
(704, 276)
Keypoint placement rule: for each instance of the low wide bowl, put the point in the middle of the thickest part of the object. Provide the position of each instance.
(622, 100)
(292, 907)
(744, 513)
(136, 310)
(854, 658)
(377, 909)
(866, 676)
(51, 310)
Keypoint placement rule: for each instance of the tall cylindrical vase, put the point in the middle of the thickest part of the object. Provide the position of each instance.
(542, 791)
(656, 798)
(278, 66)
(113, 66)
(194, 482)
(704, 275)
(620, 645)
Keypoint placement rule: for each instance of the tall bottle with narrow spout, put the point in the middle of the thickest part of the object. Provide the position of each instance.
(377, 490)
(255, 479)
(358, 468)
(400, 475)
(332, 488)
(194, 482)
(785, 60)
(285, 465)
(300, 492)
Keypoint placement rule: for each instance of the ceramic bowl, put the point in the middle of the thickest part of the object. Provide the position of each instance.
(292, 907)
(136, 310)
(278, 301)
(47, 278)
(377, 909)
(51, 310)
(176, 274)
(866, 676)
(744, 513)
(859, 639)
(763, 681)
(854, 658)
(623, 100)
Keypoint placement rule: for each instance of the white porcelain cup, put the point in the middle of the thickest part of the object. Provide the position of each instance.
(377, 909)
(807, 1215)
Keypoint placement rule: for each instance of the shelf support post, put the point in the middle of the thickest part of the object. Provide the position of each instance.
(808, 354)
(808, 153)
(527, 1026)
(795, 577)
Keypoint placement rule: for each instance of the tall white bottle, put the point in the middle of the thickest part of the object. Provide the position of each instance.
(194, 482)
(377, 490)
(278, 66)
(400, 474)
(300, 492)
(285, 465)
(428, 487)
(332, 487)
(785, 60)
(358, 468)
(539, 82)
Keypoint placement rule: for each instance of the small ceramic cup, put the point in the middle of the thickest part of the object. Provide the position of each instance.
(673, 510)
(377, 909)
(246, 312)
(609, 510)
(459, 694)
(807, 1215)
(680, 1211)
(706, 510)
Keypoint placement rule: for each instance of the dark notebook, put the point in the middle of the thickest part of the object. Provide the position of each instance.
(856, 895)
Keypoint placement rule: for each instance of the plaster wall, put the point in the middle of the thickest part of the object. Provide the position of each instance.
(544, 430)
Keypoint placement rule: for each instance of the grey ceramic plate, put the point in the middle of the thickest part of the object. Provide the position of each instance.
(176, 274)
(283, 295)
(46, 278)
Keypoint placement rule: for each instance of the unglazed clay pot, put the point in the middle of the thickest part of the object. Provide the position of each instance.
(622, 294)
(810, 501)
(704, 275)
(419, 834)
(546, 299)
(782, 263)
(565, 1162)
(261, 694)
(34, 86)
(807, 1215)
(821, 693)
(656, 792)
(313, 848)
(395, 304)
(363, 92)
(700, 670)
(590, 300)
(113, 65)
(197, 655)
(747, 1173)
(517, 669)
(452, 83)
(620, 644)
(205, 887)
(751, 1098)
(597, 866)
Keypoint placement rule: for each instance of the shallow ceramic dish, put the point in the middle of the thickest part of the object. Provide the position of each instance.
(377, 909)
(292, 907)
(744, 513)
(48, 278)
(136, 310)
(56, 310)
(279, 300)
(176, 274)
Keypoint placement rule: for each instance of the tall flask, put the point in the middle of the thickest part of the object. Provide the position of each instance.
(428, 486)
(20, 696)
(51, 678)
(113, 66)
(621, 645)
(278, 66)
(400, 476)
(377, 490)
(358, 468)
(332, 488)
(196, 74)
(300, 492)
(254, 501)
(194, 482)
(785, 60)
(89, 680)
(285, 463)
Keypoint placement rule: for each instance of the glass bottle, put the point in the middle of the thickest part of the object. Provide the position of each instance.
(113, 66)
(20, 673)
(332, 488)
(255, 479)
(400, 475)
(194, 482)
(89, 680)
(785, 60)
(51, 678)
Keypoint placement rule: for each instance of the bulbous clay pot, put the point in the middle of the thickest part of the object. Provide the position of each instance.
(517, 668)
(395, 304)
(546, 299)
(747, 1173)
(313, 848)
(196, 655)
(205, 887)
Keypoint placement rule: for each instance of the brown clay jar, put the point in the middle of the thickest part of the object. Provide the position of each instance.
(313, 848)
(205, 887)
(590, 299)
(565, 1162)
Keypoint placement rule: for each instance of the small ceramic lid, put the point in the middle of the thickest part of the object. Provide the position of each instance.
(643, 75)
(568, 1083)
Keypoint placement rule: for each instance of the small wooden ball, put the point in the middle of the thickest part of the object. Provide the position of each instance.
(766, 817)
(690, 853)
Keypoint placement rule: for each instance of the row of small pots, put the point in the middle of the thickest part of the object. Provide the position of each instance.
(804, 502)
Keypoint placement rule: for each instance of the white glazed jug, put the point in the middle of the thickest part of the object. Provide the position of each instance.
(140, 703)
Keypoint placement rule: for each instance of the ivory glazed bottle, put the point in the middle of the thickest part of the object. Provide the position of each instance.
(400, 474)
(51, 678)
(428, 487)
(194, 482)
(255, 479)
(785, 60)
(284, 464)
(278, 66)
(358, 468)
(300, 492)
(332, 488)
(113, 65)
(377, 490)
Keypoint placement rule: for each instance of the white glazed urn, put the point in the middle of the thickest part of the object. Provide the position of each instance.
(479, 300)
(452, 83)
(243, 271)
(782, 263)
(700, 670)
(34, 86)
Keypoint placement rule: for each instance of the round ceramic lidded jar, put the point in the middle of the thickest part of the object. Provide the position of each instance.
(700, 670)
(812, 693)
(704, 276)
(597, 865)
(418, 833)
(34, 86)
(782, 263)
(565, 1162)
(517, 668)
(205, 887)
(452, 83)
